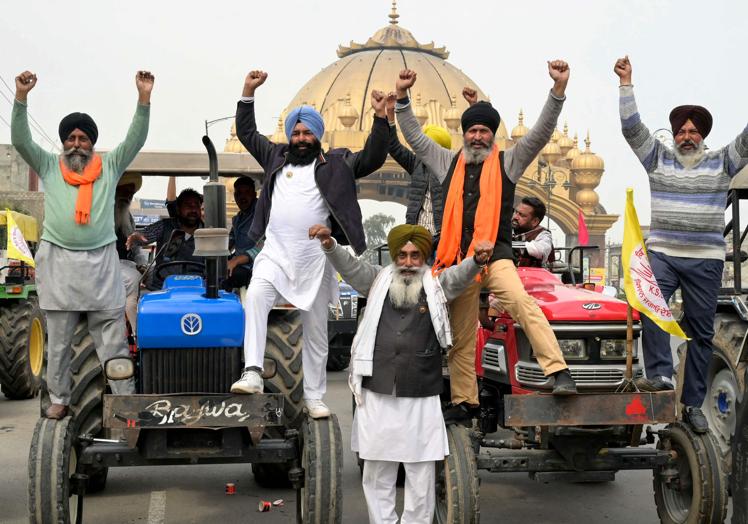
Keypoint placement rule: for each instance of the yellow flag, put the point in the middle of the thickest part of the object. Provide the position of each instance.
(642, 291)
(18, 249)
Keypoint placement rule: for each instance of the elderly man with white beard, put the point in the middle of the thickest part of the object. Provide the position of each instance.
(396, 365)
(79, 241)
(686, 246)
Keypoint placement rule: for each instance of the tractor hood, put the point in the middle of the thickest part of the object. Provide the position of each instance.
(564, 303)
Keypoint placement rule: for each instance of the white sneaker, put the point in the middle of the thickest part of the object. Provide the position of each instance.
(316, 408)
(250, 382)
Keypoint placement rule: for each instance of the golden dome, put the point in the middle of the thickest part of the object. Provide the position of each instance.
(587, 160)
(375, 65)
(521, 130)
(565, 143)
(232, 142)
(551, 152)
(555, 136)
(574, 152)
(279, 137)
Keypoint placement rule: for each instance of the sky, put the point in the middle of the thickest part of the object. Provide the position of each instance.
(86, 54)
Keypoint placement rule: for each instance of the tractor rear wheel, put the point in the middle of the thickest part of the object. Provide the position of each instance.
(457, 483)
(321, 496)
(21, 348)
(284, 346)
(739, 473)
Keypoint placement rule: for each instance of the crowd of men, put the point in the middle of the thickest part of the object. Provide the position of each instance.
(461, 222)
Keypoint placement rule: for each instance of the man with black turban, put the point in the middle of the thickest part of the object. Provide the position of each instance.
(303, 186)
(396, 365)
(79, 239)
(686, 246)
(478, 186)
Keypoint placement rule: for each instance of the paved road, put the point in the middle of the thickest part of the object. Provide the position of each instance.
(195, 494)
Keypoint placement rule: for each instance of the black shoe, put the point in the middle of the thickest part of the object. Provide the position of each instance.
(695, 418)
(564, 384)
(652, 385)
(461, 414)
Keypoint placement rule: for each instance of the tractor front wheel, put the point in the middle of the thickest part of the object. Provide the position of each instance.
(321, 496)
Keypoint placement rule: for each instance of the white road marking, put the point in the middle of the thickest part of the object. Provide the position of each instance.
(157, 508)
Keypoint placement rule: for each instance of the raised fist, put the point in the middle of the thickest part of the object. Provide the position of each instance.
(623, 69)
(254, 80)
(144, 81)
(25, 82)
(405, 80)
(470, 94)
(378, 102)
(559, 71)
(390, 104)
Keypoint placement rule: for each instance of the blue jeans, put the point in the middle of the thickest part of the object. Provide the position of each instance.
(699, 281)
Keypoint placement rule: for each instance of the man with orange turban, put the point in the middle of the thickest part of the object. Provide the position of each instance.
(79, 240)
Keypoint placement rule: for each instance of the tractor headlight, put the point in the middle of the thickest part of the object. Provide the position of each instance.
(573, 349)
(615, 348)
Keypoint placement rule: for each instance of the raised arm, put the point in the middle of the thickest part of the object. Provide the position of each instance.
(645, 146)
(246, 127)
(20, 133)
(737, 153)
(358, 273)
(401, 154)
(436, 158)
(374, 153)
(125, 152)
(455, 279)
(517, 158)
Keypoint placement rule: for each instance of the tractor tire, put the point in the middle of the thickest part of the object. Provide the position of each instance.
(87, 397)
(21, 348)
(725, 383)
(284, 345)
(457, 482)
(739, 473)
(692, 487)
(52, 463)
(321, 497)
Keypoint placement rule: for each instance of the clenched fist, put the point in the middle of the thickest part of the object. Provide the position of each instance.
(623, 70)
(405, 80)
(483, 252)
(470, 94)
(378, 103)
(144, 82)
(253, 80)
(25, 82)
(323, 234)
(559, 72)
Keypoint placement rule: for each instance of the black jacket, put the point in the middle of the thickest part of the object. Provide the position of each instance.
(335, 173)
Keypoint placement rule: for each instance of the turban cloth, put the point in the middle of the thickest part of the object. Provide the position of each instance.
(308, 116)
(131, 178)
(404, 233)
(439, 135)
(700, 117)
(481, 113)
(78, 121)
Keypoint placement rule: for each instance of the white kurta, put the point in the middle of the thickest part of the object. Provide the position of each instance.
(292, 262)
(399, 429)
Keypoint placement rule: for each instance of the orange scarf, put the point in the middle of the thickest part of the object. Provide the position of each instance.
(487, 215)
(85, 182)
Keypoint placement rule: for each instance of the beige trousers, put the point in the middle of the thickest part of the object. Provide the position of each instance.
(504, 282)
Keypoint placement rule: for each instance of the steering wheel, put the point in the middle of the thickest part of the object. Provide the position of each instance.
(184, 264)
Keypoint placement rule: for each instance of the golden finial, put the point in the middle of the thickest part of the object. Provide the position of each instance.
(587, 142)
(576, 140)
(521, 118)
(566, 129)
(393, 14)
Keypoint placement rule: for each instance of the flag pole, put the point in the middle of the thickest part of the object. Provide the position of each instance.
(629, 342)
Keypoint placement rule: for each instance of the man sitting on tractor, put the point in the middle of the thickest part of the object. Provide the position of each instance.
(303, 186)
(79, 241)
(538, 250)
(240, 262)
(188, 220)
(132, 261)
(396, 370)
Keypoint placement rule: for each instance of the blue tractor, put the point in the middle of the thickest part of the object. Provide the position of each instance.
(189, 352)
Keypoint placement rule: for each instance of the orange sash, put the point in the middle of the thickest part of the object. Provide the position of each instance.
(487, 215)
(85, 182)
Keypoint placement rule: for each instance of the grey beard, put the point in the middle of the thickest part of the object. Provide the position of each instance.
(476, 156)
(76, 159)
(688, 159)
(122, 221)
(406, 290)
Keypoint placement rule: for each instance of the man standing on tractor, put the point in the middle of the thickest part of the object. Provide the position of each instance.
(240, 262)
(478, 185)
(538, 250)
(188, 219)
(79, 239)
(686, 246)
(303, 187)
(396, 365)
(132, 261)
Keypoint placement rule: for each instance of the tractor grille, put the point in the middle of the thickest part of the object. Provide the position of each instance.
(189, 370)
(588, 376)
(493, 356)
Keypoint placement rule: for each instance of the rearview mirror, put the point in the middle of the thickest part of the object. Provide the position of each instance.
(119, 368)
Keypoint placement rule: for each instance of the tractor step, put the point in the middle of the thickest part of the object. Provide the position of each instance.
(600, 409)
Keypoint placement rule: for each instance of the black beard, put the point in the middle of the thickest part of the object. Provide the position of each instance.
(303, 157)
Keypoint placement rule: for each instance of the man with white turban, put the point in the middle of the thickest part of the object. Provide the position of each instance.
(303, 186)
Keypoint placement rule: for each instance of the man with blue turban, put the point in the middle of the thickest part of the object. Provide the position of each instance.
(303, 186)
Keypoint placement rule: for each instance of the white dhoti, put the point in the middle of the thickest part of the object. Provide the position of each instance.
(131, 279)
(292, 268)
(388, 430)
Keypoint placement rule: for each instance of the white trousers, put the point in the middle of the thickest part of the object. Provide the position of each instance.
(379, 482)
(131, 279)
(260, 298)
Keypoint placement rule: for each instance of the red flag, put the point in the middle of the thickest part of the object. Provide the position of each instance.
(584, 236)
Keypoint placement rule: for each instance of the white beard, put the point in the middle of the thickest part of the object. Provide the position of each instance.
(406, 290)
(688, 159)
(475, 156)
(76, 159)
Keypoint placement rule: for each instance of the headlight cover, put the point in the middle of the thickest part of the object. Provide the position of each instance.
(573, 349)
(615, 349)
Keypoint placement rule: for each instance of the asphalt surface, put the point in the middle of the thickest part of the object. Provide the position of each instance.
(195, 494)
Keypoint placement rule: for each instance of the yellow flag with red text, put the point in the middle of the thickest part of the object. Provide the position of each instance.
(17, 248)
(642, 291)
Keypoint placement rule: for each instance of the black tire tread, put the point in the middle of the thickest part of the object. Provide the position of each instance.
(322, 461)
(16, 376)
(462, 485)
(284, 345)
